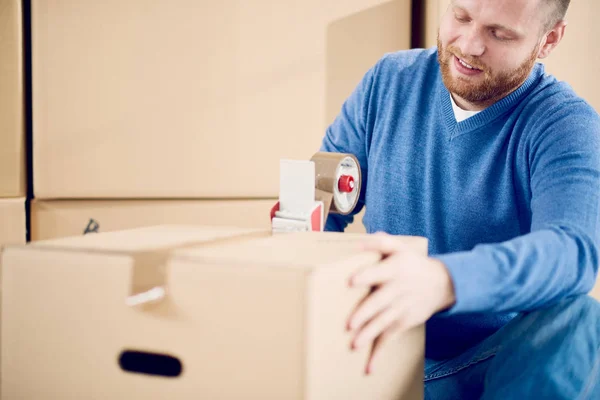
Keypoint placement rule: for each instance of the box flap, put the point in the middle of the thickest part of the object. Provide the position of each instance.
(150, 249)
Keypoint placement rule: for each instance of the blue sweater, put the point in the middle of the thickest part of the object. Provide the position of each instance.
(509, 199)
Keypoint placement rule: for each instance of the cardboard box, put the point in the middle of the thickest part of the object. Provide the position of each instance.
(580, 35)
(12, 136)
(56, 219)
(243, 317)
(13, 229)
(193, 99)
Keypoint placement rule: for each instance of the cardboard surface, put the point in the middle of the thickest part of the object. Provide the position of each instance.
(192, 99)
(242, 324)
(12, 221)
(571, 61)
(56, 219)
(12, 137)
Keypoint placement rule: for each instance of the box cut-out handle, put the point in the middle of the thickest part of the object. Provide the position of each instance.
(141, 362)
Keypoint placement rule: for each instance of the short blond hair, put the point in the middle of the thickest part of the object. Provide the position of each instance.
(558, 10)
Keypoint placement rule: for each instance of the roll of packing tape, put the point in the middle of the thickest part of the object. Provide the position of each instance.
(338, 174)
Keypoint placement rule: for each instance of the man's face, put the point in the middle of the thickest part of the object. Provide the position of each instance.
(498, 40)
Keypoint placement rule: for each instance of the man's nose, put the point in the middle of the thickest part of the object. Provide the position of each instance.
(472, 43)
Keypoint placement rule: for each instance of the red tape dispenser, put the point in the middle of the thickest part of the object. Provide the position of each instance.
(310, 190)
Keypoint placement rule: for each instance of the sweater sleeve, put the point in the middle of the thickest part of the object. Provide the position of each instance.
(559, 257)
(348, 134)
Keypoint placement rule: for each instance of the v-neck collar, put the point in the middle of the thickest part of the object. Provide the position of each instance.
(487, 115)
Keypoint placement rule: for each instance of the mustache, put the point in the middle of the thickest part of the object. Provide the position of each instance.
(472, 62)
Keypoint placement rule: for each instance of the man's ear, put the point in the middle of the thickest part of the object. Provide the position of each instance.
(552, 39)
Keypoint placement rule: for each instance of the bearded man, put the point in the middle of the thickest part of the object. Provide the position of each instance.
(473, 146)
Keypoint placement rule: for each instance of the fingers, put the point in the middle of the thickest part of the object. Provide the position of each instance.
(374, 275)
(370, 306)
(383, 243)
(375, 327)
(359, 305)
(375, 350)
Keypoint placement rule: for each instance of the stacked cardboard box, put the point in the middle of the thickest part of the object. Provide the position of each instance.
(191, 99)
(241, 314)
(12, 138)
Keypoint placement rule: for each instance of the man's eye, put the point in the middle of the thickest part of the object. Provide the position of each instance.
(461, 18)
(499, 36)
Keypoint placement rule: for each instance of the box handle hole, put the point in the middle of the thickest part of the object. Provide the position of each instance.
(141, 362)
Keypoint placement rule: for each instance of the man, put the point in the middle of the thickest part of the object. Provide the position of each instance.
(473, 146)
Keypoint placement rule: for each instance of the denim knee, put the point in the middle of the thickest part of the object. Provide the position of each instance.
(580, 307)
(573, 318)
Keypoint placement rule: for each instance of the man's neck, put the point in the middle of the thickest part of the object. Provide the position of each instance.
(468, 106)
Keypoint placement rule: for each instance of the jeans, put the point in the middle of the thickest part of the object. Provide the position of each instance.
(550, 353)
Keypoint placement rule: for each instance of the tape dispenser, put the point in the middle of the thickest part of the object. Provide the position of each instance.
(310, 190)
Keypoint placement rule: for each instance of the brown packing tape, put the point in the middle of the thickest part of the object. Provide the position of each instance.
(326, 198)
(149, 275)
(326, 168)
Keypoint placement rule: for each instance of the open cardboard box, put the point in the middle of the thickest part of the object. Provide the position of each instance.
(244, 315)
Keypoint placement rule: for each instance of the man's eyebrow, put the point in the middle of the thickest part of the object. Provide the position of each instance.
(455, 7)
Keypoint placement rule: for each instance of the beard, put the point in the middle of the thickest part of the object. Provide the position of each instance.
(493, 87)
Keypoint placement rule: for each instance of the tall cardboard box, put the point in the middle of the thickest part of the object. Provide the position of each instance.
(241, 315)
(12, 137)
(13, 228)
(190, 98)
(52, 219)
(571, 61)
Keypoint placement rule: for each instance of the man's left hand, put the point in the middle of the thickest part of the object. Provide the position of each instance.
(407, 288)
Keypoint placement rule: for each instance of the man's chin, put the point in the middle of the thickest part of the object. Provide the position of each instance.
(462, 87)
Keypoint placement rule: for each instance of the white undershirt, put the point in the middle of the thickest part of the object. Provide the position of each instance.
(459, 113)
